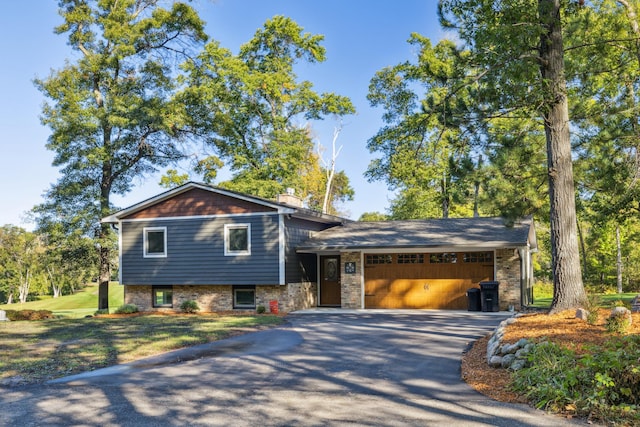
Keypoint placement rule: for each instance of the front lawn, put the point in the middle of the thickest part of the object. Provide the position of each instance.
(37, 351)
(82, 303)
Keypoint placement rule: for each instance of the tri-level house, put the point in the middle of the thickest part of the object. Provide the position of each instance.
(227, 251)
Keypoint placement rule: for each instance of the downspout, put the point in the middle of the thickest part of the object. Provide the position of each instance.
(524, 273)
(281, 249)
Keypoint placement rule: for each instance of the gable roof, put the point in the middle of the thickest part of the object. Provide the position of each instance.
(279, 207)
(432, 233)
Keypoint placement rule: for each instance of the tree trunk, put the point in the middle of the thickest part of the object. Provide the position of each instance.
(583, 252)
(104, 271)
(25, 283)
(10, 298)
(618, 260)
(568, 289)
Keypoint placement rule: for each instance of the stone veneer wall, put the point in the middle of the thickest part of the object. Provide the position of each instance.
(294, 296)
(351, 286)
(508, 275)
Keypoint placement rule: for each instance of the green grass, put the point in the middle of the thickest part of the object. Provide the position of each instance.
(80, 304)
(543, 296)
(41, 350)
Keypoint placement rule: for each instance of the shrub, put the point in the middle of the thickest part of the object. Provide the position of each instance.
(127, 309)
(29, 314)
(189, 306)
(594, 301)
(619, 321)
(603, 383)
(260, 309)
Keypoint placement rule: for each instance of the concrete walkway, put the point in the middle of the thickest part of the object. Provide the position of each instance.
(365, 368)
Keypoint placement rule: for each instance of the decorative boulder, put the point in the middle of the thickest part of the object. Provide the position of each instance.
(621, 312)
(582, 314)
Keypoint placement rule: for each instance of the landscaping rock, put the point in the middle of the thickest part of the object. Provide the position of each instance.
(495, 362)
(507, 360)
(621, 312)
(635, 304)
(522, 342)
(518, 364)
(522, 353)
(582, 314)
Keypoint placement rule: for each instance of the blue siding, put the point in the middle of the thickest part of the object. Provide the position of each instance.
(195, 253)
(300, 267)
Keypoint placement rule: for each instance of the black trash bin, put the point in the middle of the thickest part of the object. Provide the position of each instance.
(489, 296)
(473, 299)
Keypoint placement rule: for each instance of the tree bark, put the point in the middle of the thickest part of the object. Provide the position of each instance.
(567, 280)
(618, 260)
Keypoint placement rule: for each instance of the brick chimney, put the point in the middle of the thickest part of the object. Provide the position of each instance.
(290, 198)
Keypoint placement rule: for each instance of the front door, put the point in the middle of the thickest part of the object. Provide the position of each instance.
(330, 280)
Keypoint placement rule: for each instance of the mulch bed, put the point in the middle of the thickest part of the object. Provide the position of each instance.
(562, 328)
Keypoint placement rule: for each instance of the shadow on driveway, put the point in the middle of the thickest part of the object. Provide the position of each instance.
(392, 368)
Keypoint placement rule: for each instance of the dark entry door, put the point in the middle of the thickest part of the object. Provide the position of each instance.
(330, 280)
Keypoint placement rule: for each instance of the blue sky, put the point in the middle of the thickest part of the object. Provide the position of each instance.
(361, 37)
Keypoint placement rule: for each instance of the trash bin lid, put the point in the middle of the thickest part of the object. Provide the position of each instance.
(489, 285)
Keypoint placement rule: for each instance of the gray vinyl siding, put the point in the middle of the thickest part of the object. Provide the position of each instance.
(195, 253)
(300, 267)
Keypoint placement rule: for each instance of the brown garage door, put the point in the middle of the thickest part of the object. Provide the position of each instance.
(429, 280)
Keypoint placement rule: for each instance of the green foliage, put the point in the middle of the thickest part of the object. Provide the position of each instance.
(249, 108)
(618, 322)
(189, 306)
(29, 314)
(603, 383)
(261, 309)
(127, 309)
(594, 302)
(111, 111)
(172, 179)
(373, 216)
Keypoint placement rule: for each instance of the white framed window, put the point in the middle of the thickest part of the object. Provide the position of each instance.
(237, 239)
(155, 242)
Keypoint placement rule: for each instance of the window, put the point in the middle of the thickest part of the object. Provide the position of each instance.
(244, 297)
(237, 239)
(155, 242)
(162, 296)
(410, 258)
(478, 257)
(379, 259)
(444, 258)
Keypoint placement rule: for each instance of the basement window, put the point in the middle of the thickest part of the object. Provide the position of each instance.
(244, 296)
(162, 296)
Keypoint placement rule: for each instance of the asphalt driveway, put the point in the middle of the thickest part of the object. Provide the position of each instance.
(372, 368)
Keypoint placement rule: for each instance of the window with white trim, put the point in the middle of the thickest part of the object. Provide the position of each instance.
(237, 239)
(155, 242)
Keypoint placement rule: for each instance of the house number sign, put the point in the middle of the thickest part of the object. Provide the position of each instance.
(349, 267)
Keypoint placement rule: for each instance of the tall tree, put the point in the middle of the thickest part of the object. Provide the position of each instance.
(518, 58)
(253, 111)
(426, 151)
(111, 112)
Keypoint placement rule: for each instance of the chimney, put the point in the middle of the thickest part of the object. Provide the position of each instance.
(290, 198)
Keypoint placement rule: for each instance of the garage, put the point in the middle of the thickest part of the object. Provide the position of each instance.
(424, 280)
(426, 264)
